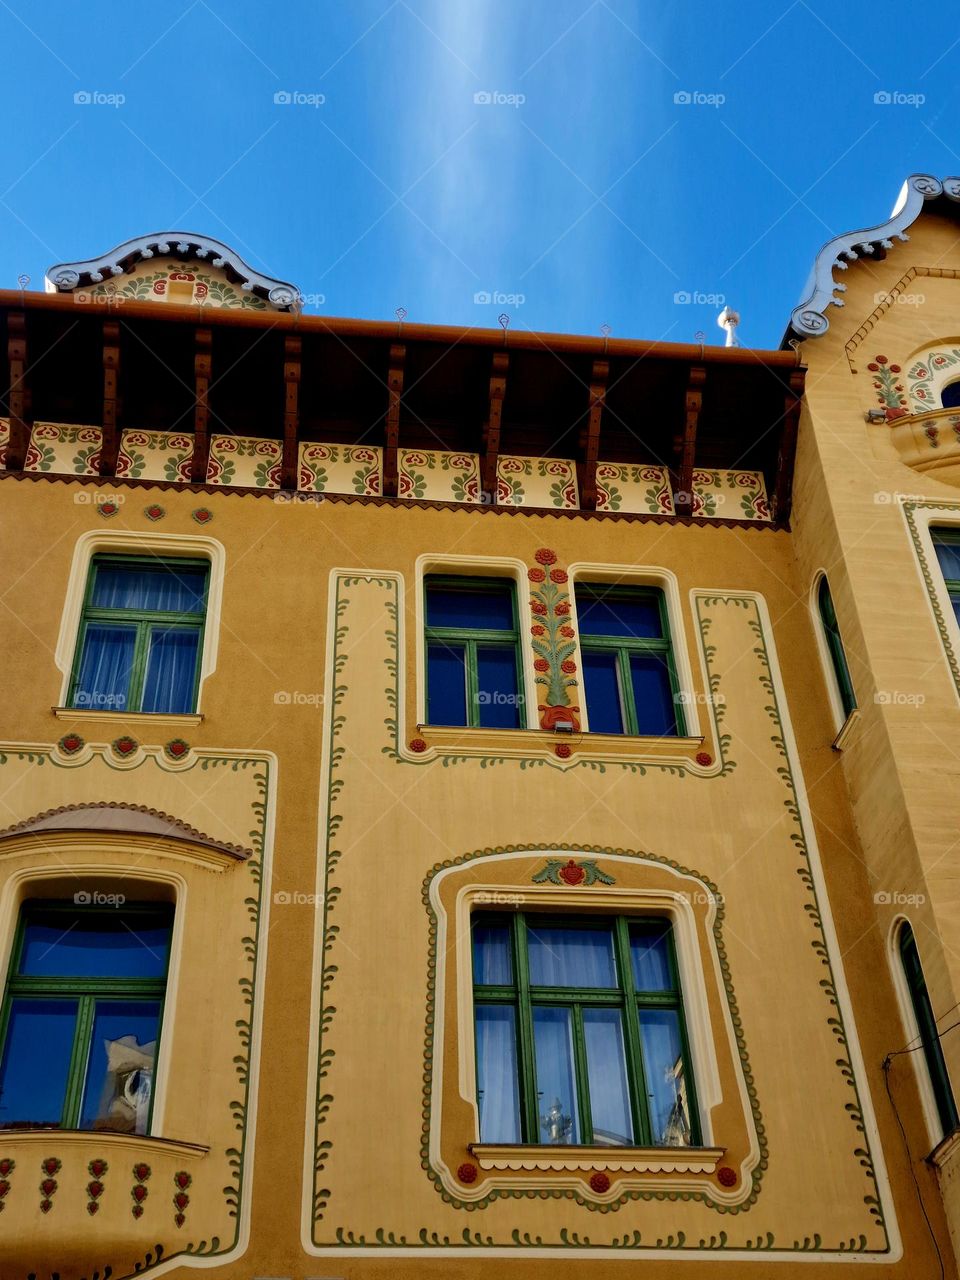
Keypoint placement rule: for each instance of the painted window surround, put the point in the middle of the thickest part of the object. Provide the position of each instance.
(928, 1101)
(925, 519)
(842, 722)
(499, 566)
(77, 866)
(124, 542)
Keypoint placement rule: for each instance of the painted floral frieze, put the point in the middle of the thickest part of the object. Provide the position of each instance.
(64, 449)
(927, 376)
(730, 495)
(338, 468)
(630, 488)
(245, 462)
(179, 283)
(155, 455)
(553, 640)
(537, 482)
(438, 476)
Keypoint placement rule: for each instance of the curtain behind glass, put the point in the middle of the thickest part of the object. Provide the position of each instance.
(571, 957)
(174, 590)
(171, 670)
(104, 679)
(497, 1074)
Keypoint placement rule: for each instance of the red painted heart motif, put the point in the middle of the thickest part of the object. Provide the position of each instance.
(107, 508)
(98, 1168)
(137, 1210)
(181, 1199)
(202, 515)
(4, 1187)
(154, 512)
(71, 743)
(141, 1172)
(92, 1207)
(139, 1193)
(182, 1179)
(50, 1165)
(5, 1166)
(177, 748)
(46, 1206)
(95, 1189)
(179, 1219)
(125, 746)
(571, 873)
(48, 1186)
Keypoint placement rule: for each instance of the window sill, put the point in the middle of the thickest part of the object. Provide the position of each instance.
(702, 1160)
(132, 717)
(840, 741)
(105, 1138)
(518, 743)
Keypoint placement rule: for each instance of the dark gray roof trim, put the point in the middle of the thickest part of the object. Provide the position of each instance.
(67, 276)
(809, 318)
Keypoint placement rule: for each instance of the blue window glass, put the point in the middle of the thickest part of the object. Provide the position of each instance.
(36, 1062)
(87, 943)
(556, 1083)
(607, 1074)
(167, 589)
(635, 616)
(650, 956)
(492, 964)
(106, 667)
(498, 1091)
(497, 698)
(663, 1061)
(950, 395)
(464, 609)
(118, 1088)
(574, 957)
(652, 694)
(601, 682)
(446, 684)
(171, 670)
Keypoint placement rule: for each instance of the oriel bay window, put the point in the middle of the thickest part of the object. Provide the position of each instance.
(141, 635)
(81, 1014)
(946, 543)
(630, 682)
(580, 1035)
(474, 675)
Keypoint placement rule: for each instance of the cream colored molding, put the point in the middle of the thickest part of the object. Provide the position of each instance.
(928, 1101)
(138, 1144)
(472, 567)
(702, 1160)
(946, 1152)
(158, 718)
(846, 729)
(646, 576)
(149, 542)
(87, 842)
(924, 514)
(840, 718)
(522, 743)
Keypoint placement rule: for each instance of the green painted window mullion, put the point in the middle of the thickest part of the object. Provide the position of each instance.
(693, 1109)
(580, 1075)
(138, 668)
(631, 1035)
(473, 683)
(529, 1106)
(76, 1076)
(626, 692)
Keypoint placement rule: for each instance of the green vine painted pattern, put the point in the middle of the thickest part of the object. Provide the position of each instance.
(427, 1239)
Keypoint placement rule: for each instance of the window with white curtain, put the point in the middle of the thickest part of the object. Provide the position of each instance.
(580, 1035)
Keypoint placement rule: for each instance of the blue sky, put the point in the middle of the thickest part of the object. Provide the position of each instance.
(576, 190)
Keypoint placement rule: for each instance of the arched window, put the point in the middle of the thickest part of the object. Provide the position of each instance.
(927, 1029)
(950, 395)
(838, 658)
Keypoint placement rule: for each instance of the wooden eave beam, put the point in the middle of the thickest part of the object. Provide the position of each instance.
(491, 429)
(683, 494)
(291, 410)
(786, 456)
(110, 444)
(17, 398)
(591, 438)
(202, 368)
(398, 354)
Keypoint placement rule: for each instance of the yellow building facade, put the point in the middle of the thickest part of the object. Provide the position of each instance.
(447, 824)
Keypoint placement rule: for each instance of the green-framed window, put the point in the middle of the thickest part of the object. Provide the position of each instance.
(927, 1026)
(580, 1034)
(472, 636)
(629, 673)
(81, 1015)
(838, 657)
(141, 635)
(946, 543)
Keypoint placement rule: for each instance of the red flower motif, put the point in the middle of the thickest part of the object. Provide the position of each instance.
(177, 748)
(567, 632)
(538, 630)
(562, 609)
(546, 556)
(874, 368)
(881, 359)
(894, 368)
(467, 1172)
(704, 758)
(599, 1182)
(71, 743)
(538, 608)
(562, 750)
(125, 746)
(418, 745)
(536, 575)
(571, 874)
(568, 667)
(558, 575)
(541, 664)
(726, 1176)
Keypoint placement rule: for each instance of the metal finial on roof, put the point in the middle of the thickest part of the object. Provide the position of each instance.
(23, 280)
(401, 314)
(728, 319)
(503, 320)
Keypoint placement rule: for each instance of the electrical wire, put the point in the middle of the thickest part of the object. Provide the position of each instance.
(885, 1066)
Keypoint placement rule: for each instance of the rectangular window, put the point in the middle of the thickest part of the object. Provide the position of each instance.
(946, 543)
(141, 635)
(81, 1014)
(474, 674)
(580, 1032)
(629, 678)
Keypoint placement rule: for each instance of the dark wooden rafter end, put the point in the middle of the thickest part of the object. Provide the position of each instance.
(110, 444)
(391, 475)
(490, 452)
(683, 490)
(18, 399)
(202, 368)
(590, 437)
(783, 485)
(291, 410)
